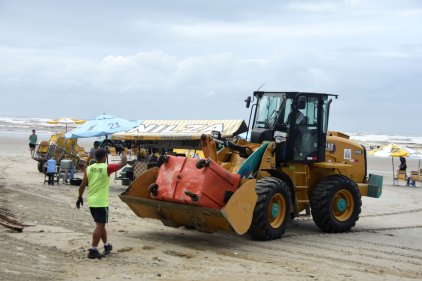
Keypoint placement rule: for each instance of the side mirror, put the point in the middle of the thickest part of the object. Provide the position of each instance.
(301, 102)
(248, 101)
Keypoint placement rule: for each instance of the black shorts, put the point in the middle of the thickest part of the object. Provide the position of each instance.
(100, 214)
(31, 145)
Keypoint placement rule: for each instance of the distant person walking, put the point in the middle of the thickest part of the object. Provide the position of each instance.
(32, 142)
(97, 178)
(403, 165)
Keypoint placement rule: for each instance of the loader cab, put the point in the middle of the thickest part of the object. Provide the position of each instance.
(296, 121)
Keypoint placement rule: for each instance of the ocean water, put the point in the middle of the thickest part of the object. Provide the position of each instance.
(385, 139)
(24, 125)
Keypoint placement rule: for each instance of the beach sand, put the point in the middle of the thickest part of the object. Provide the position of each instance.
(385, 244)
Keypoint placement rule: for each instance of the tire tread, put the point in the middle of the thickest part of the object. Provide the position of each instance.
(321, 204)
(265, 189)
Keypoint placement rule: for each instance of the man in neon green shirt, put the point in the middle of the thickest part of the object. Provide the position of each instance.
(97, 178)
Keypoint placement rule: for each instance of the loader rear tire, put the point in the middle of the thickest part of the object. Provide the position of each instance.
(272, 210)
(336, 204)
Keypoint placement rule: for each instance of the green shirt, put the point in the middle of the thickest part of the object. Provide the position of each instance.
(33, 139)
(98, 185)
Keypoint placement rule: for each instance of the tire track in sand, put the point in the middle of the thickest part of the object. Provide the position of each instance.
(392, 213)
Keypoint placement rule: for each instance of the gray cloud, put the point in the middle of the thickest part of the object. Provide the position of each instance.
(199, 59)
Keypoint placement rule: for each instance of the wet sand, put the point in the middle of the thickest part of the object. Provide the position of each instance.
(386, 243)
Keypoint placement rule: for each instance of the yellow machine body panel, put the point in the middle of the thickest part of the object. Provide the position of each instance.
(342, 150)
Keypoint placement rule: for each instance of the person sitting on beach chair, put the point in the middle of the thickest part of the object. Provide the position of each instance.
(51, 171)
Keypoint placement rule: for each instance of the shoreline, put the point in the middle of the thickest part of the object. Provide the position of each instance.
(46, 134)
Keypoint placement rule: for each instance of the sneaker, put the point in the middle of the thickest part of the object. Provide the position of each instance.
(107, 248)
(94, 254)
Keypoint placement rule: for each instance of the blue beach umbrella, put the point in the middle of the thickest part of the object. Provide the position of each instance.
(102, 125)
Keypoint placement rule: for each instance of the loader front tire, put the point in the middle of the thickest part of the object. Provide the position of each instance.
(272, 210)
(336, 204)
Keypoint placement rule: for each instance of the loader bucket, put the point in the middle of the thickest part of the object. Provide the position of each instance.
(235, 215)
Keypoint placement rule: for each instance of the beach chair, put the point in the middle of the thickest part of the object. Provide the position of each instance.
(401, 175)
(83, 156)
(415, 177)
(78, 161)
(59, 144)
(68, 147)
(54, 138)
(42, 148)
(76, 149)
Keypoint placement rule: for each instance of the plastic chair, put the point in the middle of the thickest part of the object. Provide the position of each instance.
(66, 167)
(401, 175)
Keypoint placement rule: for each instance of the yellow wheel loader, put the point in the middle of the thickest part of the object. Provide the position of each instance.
(254, 180)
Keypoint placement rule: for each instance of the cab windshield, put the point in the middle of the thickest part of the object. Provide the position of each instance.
(270, 107)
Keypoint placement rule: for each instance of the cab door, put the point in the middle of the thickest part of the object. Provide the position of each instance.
(304, 139)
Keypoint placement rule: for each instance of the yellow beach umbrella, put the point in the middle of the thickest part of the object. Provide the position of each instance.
(66, 121)
(392, 150)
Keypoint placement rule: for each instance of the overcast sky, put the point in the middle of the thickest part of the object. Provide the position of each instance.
(193, 59)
